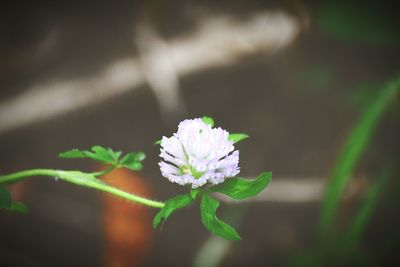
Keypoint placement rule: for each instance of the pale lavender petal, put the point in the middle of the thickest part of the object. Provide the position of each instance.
(198, 154)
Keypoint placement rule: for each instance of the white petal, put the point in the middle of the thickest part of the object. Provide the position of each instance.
(198, 146)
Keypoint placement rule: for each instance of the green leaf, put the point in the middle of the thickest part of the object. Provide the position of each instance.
(364, 214)
(208, 208)
(5, 197)
(132, 160)
(19, 207)
(134, 166)
(239, 188)
(171, 205)
(140, 156)
(71, 154)
(7, 203)
(237, 137)
(356, 143)
(115, 154)
(97, 153)
(208, 120)
(158, 142)
(101, 154)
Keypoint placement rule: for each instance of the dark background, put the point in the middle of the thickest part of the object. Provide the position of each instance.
(297, 103)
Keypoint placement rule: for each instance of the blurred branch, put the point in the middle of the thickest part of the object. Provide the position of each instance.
(216, 42)
(299, 190)
(159, 71)
(212, 252)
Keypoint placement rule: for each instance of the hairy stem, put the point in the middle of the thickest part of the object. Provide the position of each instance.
(82, 179)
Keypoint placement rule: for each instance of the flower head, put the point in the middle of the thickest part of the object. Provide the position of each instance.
(198, 154)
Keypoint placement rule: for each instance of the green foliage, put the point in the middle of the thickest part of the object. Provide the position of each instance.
(103, 154)
(208, 120)
(214, 250)
(208, 208)
(239, 188)
(98, 153)
(237, 137)
(81, 178)
(354, 147)
(5, 197)
(7, 203)
(364, 214)
(194, 193)
(363, 94)
(158, 142)
(72, 154)
(19, 207)
(236, 188)
(131, 160)
(370, 22)
(335, 249)
(172, 205)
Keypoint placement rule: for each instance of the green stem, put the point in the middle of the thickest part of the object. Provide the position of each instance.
(82, 179)
(104, 172)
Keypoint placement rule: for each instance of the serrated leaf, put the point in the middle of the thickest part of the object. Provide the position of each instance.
(114, 154)
(19, 207)
(98, 153)
(132, 160)
(208, 208)
(239, 188)
(171, 205)
(237, 137)
(5, 197)
(208, 120)
(71, 154)
(129, 158)
(101, 154)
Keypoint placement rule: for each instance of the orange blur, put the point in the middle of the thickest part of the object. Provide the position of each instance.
(127, 226)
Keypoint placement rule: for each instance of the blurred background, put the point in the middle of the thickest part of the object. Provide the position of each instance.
(299, 77)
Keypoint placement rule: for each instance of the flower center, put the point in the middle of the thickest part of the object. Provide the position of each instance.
(187, 169)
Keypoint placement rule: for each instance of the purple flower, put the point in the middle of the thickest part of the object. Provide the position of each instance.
(198, 154)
